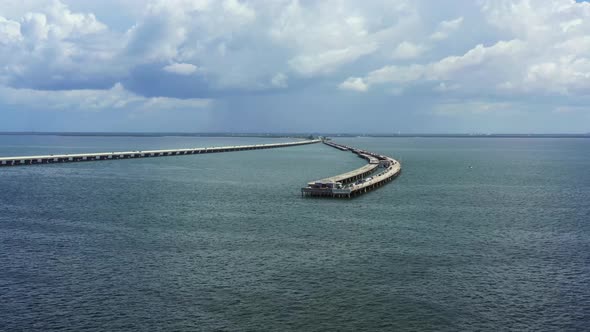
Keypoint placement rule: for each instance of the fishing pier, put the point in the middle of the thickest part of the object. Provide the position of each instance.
(378, 171)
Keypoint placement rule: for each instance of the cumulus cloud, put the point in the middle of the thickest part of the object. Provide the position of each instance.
(53, 47)
(445, 28)
(355, 84)
(9, 31)
(239, 9)
(545, 56)
(466, 67)
(508, 49)
(407, 50)
(324, 36)
(56, 48)
(181, 68)
(86, 100)
(328, 61)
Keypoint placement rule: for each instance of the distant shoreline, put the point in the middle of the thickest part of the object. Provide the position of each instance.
(471, 135)
(123, 134)
(288, 135)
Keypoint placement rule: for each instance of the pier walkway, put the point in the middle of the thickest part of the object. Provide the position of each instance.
(379, 171)
(64, 158)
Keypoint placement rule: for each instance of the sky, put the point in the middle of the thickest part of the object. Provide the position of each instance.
(391, 66)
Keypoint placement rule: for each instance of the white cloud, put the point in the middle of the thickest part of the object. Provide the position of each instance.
(355, 84)
(181, 68)
(181, 29)
(329, 61)
(156, 37)
(566, 75)
(445, 28)
(58, 22)
(496, 58)
(34, 26)
(326, 35)
(407, 50)
(490, 62)
(9, 31)
(500, 48)
(95, 100)
(60, 48)
(239, 9)
(546, 52)
(396, 74)
(55, 47)
(209, 33)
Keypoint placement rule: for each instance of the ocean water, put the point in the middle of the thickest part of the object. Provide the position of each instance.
(476, 234)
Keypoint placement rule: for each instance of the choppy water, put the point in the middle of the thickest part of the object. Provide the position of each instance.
(224, 241)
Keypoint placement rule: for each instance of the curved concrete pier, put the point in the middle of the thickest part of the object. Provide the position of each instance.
(363, 179)
(64, 158)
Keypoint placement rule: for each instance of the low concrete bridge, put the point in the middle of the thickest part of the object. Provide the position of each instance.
(64, 158)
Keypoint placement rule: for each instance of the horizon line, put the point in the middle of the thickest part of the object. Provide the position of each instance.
(327, 134)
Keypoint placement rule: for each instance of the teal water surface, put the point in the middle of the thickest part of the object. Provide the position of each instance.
(476, 234)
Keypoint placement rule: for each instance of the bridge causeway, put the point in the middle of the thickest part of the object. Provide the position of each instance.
(65, 158)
